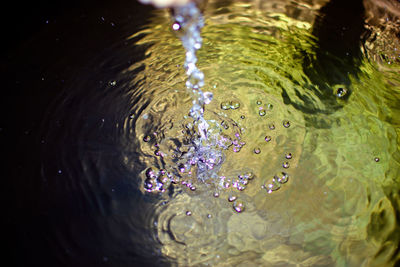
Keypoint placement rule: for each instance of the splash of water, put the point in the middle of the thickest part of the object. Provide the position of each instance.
(188, 24)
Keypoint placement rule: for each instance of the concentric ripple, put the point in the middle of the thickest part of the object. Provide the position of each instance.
(284, 167)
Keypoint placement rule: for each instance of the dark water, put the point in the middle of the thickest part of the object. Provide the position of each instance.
(87, 84)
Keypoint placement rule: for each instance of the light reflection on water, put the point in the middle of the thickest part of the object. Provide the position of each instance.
(339, 205)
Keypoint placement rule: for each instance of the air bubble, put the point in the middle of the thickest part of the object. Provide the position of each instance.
(268, 138)
(235, 105)
(238, 206)
(146, 138)
(259, 102)
(272, 186)
(262, 112)
(232, 198)
(188, 213)
(286, 124)
(225, 125)
(209, 216)
(242, 117)
(285, 164)
(216, 194)
(271, 126)
(257, 150)
(270, 106)
(341, 92)
(288, 155)
(226, 105)
(376, 159)
(283, 178)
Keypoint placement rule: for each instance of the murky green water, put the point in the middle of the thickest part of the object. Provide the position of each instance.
(337, 116)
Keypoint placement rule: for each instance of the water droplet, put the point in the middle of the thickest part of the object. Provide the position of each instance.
(341, 92)
(286, 124)
(268, 138)
(262, 112)
(188, 213)
(259, 102)
(235, 105)
(208, 96)
(271, 126)
(232, 198)
(288, 155)
(285, 165)
(226, 105)
(238, 206)
(376, 159)
(283, 178)
(257, 150)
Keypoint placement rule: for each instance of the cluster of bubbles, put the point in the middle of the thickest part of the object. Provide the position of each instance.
(198, 154)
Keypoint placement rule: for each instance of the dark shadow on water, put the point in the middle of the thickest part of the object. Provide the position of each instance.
(339, 31)
(70, 200)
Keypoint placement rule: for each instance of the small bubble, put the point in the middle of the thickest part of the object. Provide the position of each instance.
(216, 194)
(376, 159)
(288, 155)
(236, 149)
(238, 206)
(150, 173)
(285, 164)
(262, 112)
(259, 102)
(148, 184)
(209, 216)
(257, 150)
(341, 92)
(188, 213)
(268, 138)
(226, 105)
(193, 188)
(232, 198)
(272, 186)
(271, 126)
(283, 178)
(176, 26)
(286, 124)
(235, 105)
(113, 83)
(249, 175)
(270, 106)
(59, 171)
(146, 138)
(225, 125)
(242, 117)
